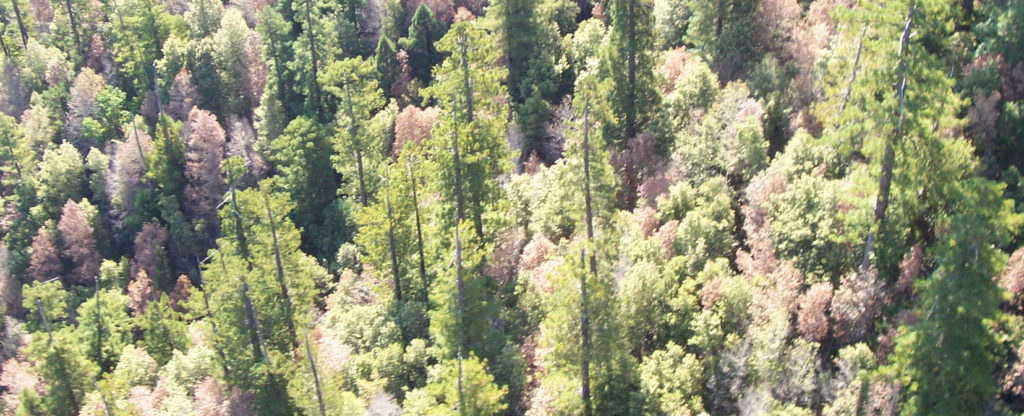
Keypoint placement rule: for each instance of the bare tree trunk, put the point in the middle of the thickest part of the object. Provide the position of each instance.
(631, 124)
(103, 398)
(21, 24)
(74, 26)
(462, 399)
(209, 315)
(856, 67)
(243, 243)
(312, 52)
(478, 222)
(391, 243)
(353, 130)
(99, 323)
(584, 319)
(138, 146)
(316, 378)
(7, 52)
(280, 272)
(885, 181)
(460, 299)
(468, 92)
(459, 283)
(46, 323)
(459, 311)
(250, 311)
(460, 205)
(156, 91)
(419, 234)
(254, 326)
(277, 71)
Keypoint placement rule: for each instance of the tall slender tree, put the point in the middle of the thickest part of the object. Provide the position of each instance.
(468, 88)
(628, 61)
(353, 81)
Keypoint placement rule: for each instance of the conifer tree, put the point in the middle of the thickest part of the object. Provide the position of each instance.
(468, 143)
(723, 33)
(278, 51)
(386, 60)
(354, 83)
(104, 326)
(259, 286)
(68, 373)
(141, 29)
(164, 330)
(529, 36)
(310, 51)
(302, 156)
(629, 62)
(424, 31)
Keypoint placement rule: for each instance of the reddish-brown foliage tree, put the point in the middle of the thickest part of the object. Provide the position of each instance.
(887, 340)
(982, 118)
(855, 306)
(782, 293)
(97, 55)
(774, 23)
(1013, 81)
(632, 164)
(647, 218)
(255, 74)
(532, 164)
(82, 101)
(711, 292)
(242, 143)
(16, 376)
(812, 318)
(149, 107)
(911, 268)
(463, 14)
(657, 184)
(673, 69)
(535, 253)
(413, 125)
(505, 259)
(204, 151)
(182, 291)
(807, 40)
(401, 88)
(149, 254)
(212, 400)
(761, 257)
(666, 236)
(141, 291)
(1012, 279)
(1013, 376)
(443, 9)
(126, 170)
(146, 400)
(881, 397)
(41, 11)
(183, 96)
(79, 244)
(45, 261)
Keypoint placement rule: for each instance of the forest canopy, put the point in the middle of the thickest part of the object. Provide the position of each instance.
(511, 207)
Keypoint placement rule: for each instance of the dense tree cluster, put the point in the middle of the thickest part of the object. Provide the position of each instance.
(511, 207)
